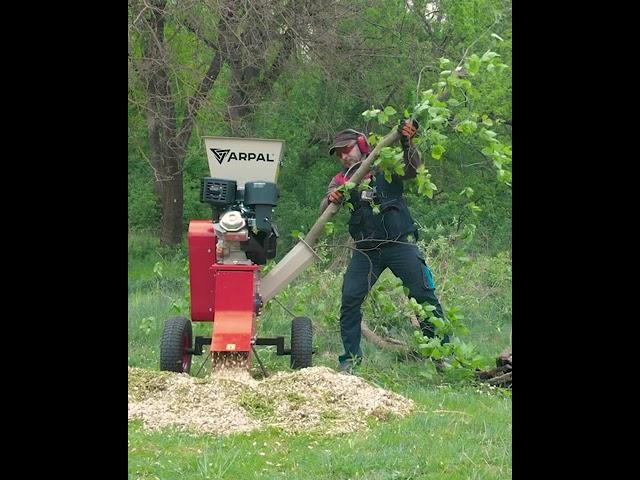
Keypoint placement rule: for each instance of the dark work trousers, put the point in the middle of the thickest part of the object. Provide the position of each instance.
(407, 263)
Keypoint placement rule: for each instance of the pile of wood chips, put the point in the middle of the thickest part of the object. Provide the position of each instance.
(231, 401)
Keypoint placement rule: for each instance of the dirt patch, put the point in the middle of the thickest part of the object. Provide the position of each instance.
(230, 401)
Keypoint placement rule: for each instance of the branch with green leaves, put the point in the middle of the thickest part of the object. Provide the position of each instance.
(447, 108)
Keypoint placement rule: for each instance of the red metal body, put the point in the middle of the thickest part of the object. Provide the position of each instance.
(221, 293)
(202, 255)
(234, 323)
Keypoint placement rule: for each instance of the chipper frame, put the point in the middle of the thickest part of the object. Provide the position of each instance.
(226, 255)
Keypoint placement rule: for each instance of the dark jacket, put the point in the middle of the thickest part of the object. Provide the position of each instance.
(394, 219)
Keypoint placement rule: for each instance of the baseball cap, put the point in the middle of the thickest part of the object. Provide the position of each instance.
(344, 138)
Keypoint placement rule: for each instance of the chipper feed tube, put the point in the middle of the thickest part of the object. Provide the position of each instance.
(301, 256)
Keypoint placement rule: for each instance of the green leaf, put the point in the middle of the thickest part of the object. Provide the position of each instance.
(444, 63)
(495, 35)
(489, 133)
(487, 150)
(489, 55)
(468, 191)
(474, 64)
(437, 322)
(328, 228)
(350, 185)
(382, 118)
(370, 114)
(423, 106)
(373, 139)
(486, 120)
(390, 110)
(453, 102)
(365, 185)
(473, 207)
(427, 95)
(504, 176)
(295, 234)
(437, 151)
(376, 209)
(467, 127)
(436, 137)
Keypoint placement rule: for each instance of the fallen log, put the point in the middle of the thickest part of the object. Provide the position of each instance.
(386, 343)
(502, 374)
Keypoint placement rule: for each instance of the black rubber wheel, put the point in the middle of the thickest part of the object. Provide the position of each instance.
(176, 340)
(301, 342)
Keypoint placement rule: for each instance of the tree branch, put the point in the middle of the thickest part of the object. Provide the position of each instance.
(199, 35)
(386, 343)
(476, 40)
(196, 101)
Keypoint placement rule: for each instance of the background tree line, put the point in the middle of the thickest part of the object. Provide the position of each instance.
(299, 71)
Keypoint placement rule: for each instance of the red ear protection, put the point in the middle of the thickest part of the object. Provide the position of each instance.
(363, 145)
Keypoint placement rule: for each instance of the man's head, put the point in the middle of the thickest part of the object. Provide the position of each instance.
(350, 147)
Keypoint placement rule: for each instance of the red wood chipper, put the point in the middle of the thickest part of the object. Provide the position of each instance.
(226, 255)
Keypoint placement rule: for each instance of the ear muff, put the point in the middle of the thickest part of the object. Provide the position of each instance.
(363, 145)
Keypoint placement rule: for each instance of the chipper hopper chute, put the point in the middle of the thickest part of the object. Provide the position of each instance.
(225, 258)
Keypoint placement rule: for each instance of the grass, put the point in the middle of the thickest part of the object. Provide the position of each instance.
(456, 433)
(459, 430)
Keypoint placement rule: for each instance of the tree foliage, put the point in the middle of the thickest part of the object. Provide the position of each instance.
(299, 71)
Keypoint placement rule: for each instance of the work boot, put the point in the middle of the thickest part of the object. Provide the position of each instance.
(346, 367)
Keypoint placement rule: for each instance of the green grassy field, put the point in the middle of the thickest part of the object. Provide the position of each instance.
(459, 429)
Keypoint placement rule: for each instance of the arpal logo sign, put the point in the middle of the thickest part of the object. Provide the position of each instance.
(244, 159)
(221, 154)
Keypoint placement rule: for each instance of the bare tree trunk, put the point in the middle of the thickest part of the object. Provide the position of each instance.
(161, 127)
(172, 207)
(155, 145)
(167, 144)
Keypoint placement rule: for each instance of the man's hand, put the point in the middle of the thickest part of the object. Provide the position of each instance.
(335, 196)
(408, 130)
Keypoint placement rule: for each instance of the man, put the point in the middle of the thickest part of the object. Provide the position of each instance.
(382, 240)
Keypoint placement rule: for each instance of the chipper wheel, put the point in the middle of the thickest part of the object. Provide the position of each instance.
(301, 342)
(175, 345)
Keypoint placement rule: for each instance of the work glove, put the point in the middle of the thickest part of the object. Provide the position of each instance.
(335, 197)
(408, 130)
